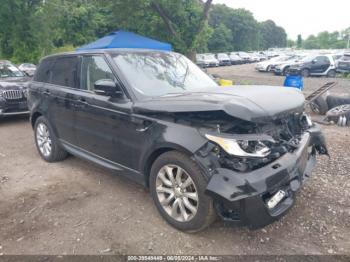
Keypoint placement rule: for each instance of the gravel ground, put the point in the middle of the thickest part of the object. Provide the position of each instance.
(74, 207)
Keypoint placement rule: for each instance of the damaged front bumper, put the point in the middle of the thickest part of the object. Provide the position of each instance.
(243, 197)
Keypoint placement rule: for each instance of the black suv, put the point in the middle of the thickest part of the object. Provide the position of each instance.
(314, 65)
(13, 90)
(241, 153)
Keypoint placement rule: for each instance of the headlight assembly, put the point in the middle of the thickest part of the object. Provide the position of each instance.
(241, 148)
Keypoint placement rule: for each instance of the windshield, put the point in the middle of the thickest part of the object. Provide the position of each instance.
(154, 74)
(29, 66)
(210, 56)
(307, 59)
(222, 56)
(9, 70)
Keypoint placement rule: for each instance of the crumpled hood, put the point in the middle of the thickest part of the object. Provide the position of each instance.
(250, 103)
(14, 82)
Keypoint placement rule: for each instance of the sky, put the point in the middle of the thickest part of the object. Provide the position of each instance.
(303, 17)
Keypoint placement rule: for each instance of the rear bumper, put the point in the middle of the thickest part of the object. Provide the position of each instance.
(242, 198)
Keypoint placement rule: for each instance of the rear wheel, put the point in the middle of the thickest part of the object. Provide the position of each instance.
(46, 142)
(177, 186)
(319, 106)
(285, 71)
(331, 73)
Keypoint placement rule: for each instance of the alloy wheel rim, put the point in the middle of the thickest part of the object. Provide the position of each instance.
(341, 109)
(177, 193)
(44, 140)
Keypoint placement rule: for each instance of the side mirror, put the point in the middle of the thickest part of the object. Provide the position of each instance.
(314, 61)
(107, 87)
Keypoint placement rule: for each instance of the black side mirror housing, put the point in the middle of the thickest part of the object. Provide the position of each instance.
(107, 87)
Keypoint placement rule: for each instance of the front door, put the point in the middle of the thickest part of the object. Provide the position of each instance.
(104, 124)
(320, 64)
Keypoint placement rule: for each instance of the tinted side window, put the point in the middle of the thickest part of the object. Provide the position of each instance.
(323, 60)
(43, 73)
(64, 72)
(94, 68)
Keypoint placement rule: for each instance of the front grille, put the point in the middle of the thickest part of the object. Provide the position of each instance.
(12, 94)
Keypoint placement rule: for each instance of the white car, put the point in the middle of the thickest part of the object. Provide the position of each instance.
(28, 68)
(269, 65)
(206, 60)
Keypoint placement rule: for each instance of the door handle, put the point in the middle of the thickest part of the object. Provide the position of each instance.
(46, 92)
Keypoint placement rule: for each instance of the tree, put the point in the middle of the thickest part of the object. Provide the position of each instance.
(221, 40)
(299, 41)
(272, 35)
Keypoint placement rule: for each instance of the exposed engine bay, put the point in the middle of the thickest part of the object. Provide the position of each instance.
(280, 136)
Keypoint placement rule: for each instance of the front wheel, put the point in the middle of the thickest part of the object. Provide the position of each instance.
(177, 186)
(305, 72)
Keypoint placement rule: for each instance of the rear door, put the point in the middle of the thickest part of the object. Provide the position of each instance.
(62, 93)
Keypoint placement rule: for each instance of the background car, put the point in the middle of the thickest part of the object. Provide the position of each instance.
(28, 68)
(235, 59)
(269, 65)
(13, 90)
(224, 59)
(210, 60)
(343, 65)
(245, 56)
(283, 67)
(315, 65)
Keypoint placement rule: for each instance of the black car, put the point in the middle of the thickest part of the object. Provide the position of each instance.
(344, 64)
(314, 65)
(13, 90)
(240, 153)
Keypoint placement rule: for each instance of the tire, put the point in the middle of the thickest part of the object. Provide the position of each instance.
(43, 131)
(334, 101)
(305, 72)
(268, 69)
(170, 163)
(339, 111)
(331, 73)
(319, 106)
(285, 71)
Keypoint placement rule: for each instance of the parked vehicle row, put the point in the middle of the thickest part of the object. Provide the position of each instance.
(227, 59)
(306, 64)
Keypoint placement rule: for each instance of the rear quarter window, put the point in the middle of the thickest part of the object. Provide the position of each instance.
(64, 71)
(43, 72)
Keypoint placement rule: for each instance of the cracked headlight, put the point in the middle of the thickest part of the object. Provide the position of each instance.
(241, 148)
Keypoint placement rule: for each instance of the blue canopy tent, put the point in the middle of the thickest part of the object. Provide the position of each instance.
(123, 39)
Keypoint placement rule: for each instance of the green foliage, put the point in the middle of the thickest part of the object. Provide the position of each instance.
(30, 29)
(299, 41)
(246, 33)
(326, 40)
(221, 39)
(290, 43)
